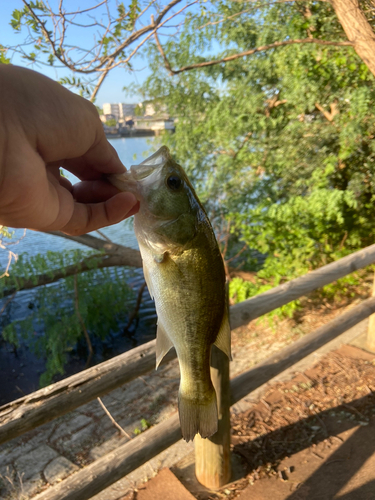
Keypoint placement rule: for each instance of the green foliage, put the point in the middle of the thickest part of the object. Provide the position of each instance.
(350, 285)
(84, 87)
(139, 110)
(24, 16)
(111, 123)
(145, 424)
(102, 299)
(240, 290)
(4, 233)
(281, 142)
(3, 58)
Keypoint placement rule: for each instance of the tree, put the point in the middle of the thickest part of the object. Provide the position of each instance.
(118, 33)
(273, 107)
(284, 144)
(111, 122)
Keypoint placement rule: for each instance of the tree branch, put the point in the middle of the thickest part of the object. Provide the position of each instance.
(262, 48)
(51, 277)
(328, 115)
(132, 257)
(47, 36)
(101, 80)
(137, 34)
(118, 426)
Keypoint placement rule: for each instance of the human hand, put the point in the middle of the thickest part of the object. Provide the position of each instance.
(43, 127)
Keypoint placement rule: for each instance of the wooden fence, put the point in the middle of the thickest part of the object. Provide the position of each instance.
(212, 454)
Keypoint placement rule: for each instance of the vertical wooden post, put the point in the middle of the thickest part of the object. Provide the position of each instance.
(370, 343)
(212, 455)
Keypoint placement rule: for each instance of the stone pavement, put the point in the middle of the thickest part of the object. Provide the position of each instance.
(55, 450)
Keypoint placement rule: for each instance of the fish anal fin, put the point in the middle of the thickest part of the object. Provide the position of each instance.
(223, 337)
(163, 344)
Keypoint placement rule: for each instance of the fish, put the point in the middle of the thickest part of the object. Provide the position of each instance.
(184, 272)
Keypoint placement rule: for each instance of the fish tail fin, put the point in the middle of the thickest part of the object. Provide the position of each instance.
(198, 415)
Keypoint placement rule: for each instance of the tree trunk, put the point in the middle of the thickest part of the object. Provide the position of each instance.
(357, 29)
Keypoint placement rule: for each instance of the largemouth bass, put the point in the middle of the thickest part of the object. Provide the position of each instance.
(185, 275)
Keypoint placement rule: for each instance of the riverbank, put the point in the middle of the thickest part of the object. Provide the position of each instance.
(132, 133)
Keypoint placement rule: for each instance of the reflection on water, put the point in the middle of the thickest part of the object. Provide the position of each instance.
(20, 370)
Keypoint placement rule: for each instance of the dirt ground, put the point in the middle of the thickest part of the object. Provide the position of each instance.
(312, 438)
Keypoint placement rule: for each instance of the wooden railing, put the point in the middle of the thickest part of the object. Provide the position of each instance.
(44, 405)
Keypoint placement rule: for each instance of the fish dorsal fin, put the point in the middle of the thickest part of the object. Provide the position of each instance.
(223, 337)
(163, 344)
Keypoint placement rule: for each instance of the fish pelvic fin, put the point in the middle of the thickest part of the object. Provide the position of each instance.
(198, 416)
(163, 344)
(223, 337)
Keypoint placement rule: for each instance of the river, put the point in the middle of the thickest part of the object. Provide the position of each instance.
(20, 369)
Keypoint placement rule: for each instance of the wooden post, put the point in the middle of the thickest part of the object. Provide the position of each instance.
(212, 455)
(371, 326)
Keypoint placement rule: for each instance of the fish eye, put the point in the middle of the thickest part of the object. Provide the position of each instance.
(174, 182)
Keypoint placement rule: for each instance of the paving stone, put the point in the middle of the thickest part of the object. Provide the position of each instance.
(30, 487)
(135, 390)
(7, 476)
(78, 440)
(59, 469)
(16, 448)
(108, 445)
(70, 425)
(32, 463)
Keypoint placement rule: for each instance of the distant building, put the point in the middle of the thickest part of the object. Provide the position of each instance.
(105, 118)
(154, 124)
(152, 110)
(119, 110)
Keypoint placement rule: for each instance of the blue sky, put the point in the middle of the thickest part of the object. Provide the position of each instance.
(111, 90)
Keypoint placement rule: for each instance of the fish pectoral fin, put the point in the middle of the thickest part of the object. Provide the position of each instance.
(223, 337)
(148, 281)
(163, 344)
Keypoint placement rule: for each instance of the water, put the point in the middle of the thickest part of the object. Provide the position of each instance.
(20, 370)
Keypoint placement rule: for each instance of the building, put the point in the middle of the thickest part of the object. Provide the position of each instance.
(119, 110)
(152, 110)
(105, 118)
(154, 124)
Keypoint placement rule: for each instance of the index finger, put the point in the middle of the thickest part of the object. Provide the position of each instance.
(100, 160)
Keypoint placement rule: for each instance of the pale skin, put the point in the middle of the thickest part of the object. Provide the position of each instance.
(43, 127)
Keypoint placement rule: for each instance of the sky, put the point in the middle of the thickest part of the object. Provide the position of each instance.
(112, 87)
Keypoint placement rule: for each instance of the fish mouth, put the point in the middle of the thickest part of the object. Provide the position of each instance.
(144, 173)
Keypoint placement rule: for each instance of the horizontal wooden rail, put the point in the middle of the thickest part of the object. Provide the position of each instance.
(28, 412)
(249, 381)
(106, 470)
(250, 309)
